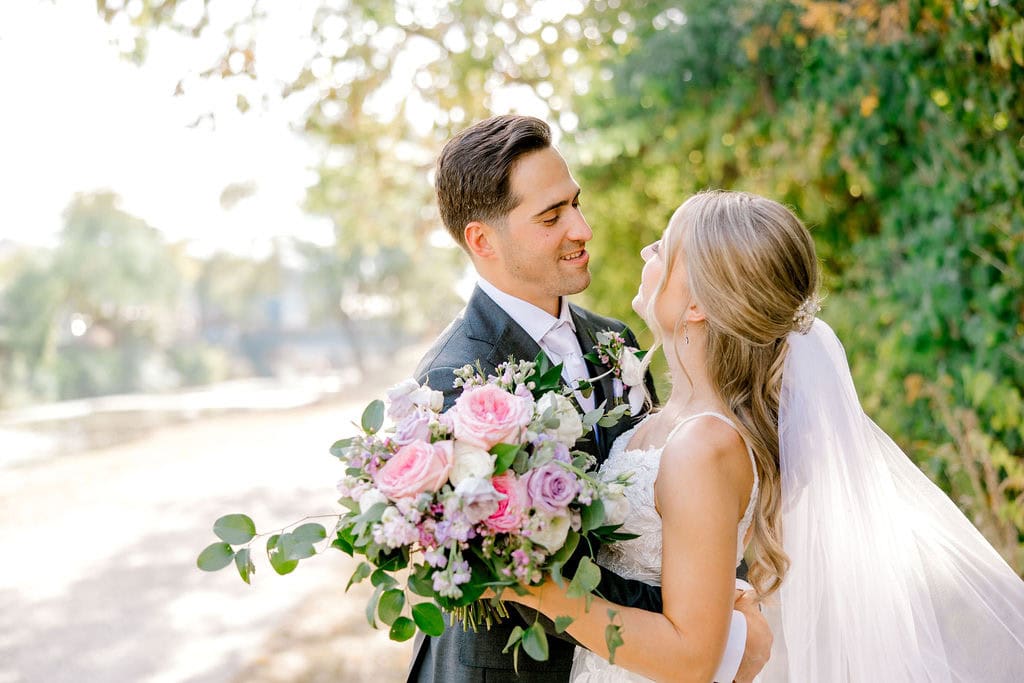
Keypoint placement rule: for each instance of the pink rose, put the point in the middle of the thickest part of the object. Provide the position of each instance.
(509, 515)
(416, 467)
(484, 416)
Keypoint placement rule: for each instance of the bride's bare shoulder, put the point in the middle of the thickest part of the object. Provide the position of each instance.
(706, 448)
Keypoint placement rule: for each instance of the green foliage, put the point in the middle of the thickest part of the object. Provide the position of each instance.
(896, 130)
(235, 529)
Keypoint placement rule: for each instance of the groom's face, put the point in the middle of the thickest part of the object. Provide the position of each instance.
(542, 246)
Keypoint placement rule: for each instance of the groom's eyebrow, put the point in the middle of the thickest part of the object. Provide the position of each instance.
(558, 205)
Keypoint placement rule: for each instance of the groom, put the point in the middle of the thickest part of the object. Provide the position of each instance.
(508, 199)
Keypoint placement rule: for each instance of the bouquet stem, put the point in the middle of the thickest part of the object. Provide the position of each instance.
(484, 612)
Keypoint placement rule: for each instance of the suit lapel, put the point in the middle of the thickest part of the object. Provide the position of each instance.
(488, 322)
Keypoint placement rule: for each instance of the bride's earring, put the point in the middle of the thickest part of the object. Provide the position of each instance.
(686, 337)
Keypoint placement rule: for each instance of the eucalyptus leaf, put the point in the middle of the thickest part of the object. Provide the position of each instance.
(428, 617)
(371, 607)
(215, 556)
(390, 606)
(402, 630)
(562, 623)
(572, 540)
(278, 561)
(338, 448)
(373, 417)
(293, 547)
(421, 585)
(311, 532)
(243, 562)
(535, 642)
(235, 529)
(586, 579)
(382, 578)
(592, 516)
(362, 571)
(513, 638)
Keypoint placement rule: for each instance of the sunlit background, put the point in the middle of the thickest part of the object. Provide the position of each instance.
(218, 240)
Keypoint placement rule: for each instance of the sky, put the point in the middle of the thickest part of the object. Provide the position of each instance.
(77, 117)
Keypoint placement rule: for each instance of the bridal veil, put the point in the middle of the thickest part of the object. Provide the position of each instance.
(888, 580)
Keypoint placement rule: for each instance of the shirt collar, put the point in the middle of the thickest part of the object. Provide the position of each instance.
(535, 321)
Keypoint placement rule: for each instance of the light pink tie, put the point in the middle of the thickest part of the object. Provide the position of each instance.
(563, 347)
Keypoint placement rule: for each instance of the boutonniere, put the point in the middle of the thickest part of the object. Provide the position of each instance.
(625, 365)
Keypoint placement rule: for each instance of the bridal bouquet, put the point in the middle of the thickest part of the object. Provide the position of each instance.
(442, 506)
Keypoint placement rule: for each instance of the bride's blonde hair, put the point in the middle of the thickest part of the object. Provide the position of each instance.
(751, 265)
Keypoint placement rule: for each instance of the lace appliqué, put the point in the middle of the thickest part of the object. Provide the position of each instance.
(638, 558)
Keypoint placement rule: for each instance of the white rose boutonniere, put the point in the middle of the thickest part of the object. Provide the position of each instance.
(625, 364)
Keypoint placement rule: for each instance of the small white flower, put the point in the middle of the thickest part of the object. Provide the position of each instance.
(400, 402)
(469, 461)
(549, 532)
(570, 426)
(616, 505)
(370, 498)
(479, 498)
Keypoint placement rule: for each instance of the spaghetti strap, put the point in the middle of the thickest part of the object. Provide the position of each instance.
(721, 417)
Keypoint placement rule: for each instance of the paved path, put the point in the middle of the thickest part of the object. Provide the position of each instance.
(97, 573)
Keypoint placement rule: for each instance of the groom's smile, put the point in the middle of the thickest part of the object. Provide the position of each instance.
(540, 252)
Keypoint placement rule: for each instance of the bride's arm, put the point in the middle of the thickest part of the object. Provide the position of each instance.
(702, 488)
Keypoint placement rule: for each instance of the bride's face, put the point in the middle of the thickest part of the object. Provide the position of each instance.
(673, 299)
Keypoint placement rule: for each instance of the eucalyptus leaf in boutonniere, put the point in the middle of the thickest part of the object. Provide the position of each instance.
(625, 365)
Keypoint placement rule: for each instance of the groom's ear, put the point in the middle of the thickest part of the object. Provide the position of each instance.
(478, 240)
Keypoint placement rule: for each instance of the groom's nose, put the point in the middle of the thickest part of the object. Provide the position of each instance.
(579, 229)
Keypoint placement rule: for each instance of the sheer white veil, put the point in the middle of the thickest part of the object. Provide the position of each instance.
(888, 580)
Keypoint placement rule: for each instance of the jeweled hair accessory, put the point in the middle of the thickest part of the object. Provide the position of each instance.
(805, 314)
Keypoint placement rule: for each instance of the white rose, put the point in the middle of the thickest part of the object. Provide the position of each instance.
(425, 397)
(370, 498)
(616, 505)
(400, 401)
(469, 461)
(549, 532)
(479, 498)
(570, 426)
(632, 369)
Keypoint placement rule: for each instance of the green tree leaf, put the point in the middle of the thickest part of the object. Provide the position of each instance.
(402, 630)
(215, 556)
(428, 617)
(235, 529)
(390, 606)
(562, 623)
(535, 642)
(373, 417)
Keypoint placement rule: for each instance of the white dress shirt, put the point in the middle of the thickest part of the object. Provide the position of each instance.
(547, 331)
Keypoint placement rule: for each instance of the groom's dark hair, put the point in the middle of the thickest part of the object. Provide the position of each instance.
(475, 166)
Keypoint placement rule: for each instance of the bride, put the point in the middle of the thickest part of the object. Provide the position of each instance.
(866, 570)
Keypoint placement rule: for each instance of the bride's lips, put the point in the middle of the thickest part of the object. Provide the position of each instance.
(580, 257)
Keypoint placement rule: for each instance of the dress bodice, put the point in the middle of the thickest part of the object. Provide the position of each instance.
(640, 558)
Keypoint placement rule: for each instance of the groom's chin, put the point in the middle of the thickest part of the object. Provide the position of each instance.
(577, 284)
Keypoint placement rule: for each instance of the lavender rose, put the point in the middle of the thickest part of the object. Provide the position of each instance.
(550, 488)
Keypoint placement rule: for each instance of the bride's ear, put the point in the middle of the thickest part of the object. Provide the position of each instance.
(695, 313)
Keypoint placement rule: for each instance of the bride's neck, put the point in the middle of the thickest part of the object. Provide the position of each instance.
(692, 391)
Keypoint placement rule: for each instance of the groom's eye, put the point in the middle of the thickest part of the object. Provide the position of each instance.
(550, 221)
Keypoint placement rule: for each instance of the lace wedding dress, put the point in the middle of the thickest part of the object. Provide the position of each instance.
(640, 558)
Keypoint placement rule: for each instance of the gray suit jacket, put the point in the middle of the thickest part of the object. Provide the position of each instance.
(486, 333)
